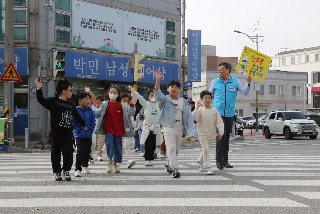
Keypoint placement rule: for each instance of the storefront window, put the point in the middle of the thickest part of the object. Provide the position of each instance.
(62, 20)
(62, 5)
(20, 17)
(20, 33)
(62, 36)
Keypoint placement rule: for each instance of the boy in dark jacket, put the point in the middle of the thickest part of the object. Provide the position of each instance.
(61, 129)
(83, 137)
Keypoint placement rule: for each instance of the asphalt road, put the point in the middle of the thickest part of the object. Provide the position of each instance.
(269, 176)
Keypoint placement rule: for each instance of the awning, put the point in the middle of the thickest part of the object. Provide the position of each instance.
(315, 89)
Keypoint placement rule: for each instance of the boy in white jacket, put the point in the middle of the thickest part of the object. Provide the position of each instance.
(208, 121)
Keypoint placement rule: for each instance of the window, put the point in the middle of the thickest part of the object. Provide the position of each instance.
(293, 60)
(62, 36)
(272, 89)
(316, 57)
(281, 90)
(283, 61)
(20, 17)
(272, 116)
(296, 90)
(170, 39)
(20, 33)
(62, 20)
(170, 26)
(20, 3)
(306, 57)
(279, 115)
(261, 92)
(171, 52)
(62, 5)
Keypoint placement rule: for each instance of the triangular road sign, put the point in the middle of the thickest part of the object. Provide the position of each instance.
(10, 75)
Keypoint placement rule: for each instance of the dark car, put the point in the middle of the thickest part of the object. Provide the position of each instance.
(314, 117)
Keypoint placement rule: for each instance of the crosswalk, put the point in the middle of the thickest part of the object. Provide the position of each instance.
(281, 181)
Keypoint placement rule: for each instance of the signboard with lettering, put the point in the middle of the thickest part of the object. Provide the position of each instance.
(253, 64)
(194, 55)
(20, 61)
(111, 29)
(99, 67)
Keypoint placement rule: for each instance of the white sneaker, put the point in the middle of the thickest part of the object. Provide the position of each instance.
(109, 168)
(148, 163)
(131, 163)
(85, 170)
(115, 168)
(77, 173)
(99, 158)
(209, 172)
(200, 166)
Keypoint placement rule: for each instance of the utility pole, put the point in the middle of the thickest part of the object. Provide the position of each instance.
(8, 58)
(183, 48)
(256, 40)
(45, 67)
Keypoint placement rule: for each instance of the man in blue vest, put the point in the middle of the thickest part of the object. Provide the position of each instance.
(224, 90)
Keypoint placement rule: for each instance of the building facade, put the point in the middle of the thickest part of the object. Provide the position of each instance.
(302, 60)
(97, 40)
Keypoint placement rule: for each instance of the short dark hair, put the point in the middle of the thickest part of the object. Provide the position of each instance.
(173, 83)
(227, 65)
(81, 95)
(118, 91)
(62, 84)
(192, 102)
(206, 92)
(149, 92)
(125, 95)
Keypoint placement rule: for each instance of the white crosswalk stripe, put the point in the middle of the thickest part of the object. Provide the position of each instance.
(246, 185)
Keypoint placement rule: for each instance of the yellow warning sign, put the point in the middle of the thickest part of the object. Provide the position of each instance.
(10, 75)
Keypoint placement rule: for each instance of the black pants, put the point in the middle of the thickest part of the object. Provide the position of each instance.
(83, 153)
(150, 147)
(61, 140)
(222, 146)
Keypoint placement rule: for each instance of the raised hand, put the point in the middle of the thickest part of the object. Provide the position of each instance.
(157, 74)
(249, 79)
(87, 89)
(38, 83)
(198, 103)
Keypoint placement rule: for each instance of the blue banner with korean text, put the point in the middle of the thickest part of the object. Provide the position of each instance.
(115, 69)
(20, 61)
(194, 55)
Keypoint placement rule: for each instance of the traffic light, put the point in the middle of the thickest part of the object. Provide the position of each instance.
(136, 74)
(58, 66)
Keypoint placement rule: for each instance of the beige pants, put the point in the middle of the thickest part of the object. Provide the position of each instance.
(173, 143)
(206, 144)
(97, 143)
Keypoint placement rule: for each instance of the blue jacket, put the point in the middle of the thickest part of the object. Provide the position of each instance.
(167, 114)
(225, 94)
(87, 115)
(127, 113)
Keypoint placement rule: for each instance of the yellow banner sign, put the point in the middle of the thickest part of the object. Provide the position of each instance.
(253, 64)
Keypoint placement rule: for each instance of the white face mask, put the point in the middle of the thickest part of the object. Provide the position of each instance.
(113, 96)
(153, 100)
(124, 103)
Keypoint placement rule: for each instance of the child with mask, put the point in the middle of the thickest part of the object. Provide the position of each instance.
(113, 121)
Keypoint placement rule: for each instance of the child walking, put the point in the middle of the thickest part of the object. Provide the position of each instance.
(113, 121)
(151, 133)
(61, 128)
(83, 137)
(208, 122)
(176, 119)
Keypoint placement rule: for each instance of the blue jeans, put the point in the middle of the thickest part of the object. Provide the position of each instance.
(141, 146)
(137, 141)
(114, 148)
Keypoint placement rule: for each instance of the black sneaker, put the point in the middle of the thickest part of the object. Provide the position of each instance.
(227, 165)
(168, 168)
(66, 175)
(219, 166)
(175, 173)
(58, 176)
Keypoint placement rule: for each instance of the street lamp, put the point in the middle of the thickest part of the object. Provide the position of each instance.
(256, 40)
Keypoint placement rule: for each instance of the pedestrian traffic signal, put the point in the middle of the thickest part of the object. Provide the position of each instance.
(58, 67)
(136, 74)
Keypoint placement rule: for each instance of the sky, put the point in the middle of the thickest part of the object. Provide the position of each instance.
(285, 24)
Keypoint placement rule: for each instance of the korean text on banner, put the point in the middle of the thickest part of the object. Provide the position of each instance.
(253, 64)
(194, 55)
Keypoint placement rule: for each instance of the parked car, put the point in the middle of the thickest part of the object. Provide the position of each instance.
(252, 122)
(243, 120)
(314, 117)
(289, 124)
